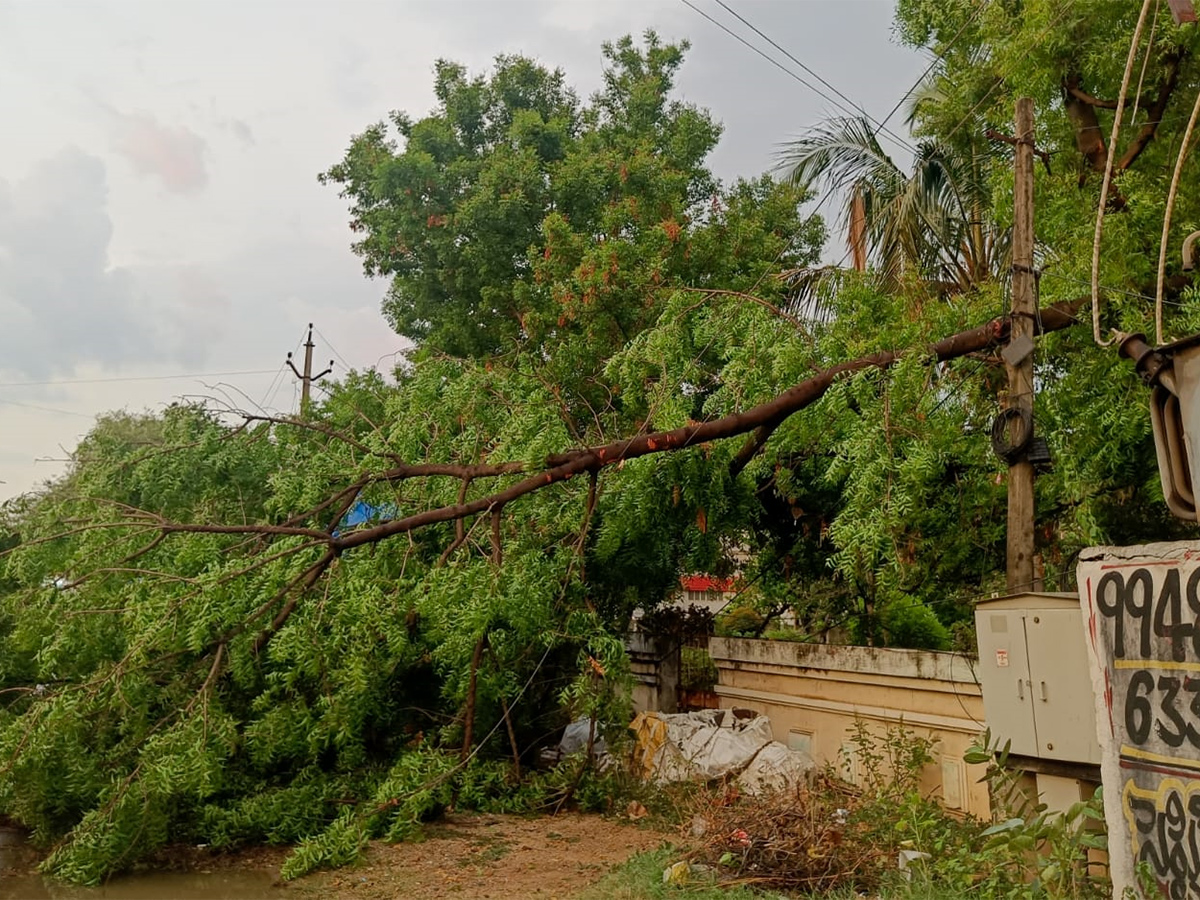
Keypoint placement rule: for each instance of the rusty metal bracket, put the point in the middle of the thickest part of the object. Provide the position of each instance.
(1151, 364)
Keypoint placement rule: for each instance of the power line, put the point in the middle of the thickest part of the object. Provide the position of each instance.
(329, 344)
(938, 57)
(782, 67)
(1108, 288)
(880, 126)
(273, 387)
(49, 409)
(262, 404)
(10, 384)
(987, 94)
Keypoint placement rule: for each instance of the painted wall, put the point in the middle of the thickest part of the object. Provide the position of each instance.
(654, 665)
(813, 693)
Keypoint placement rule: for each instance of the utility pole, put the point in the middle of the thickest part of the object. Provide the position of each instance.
(308, 377)
(1018, 362)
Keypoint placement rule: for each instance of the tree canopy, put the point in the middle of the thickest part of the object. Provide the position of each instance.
(515, 215)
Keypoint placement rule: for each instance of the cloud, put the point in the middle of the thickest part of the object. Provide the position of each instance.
(62, 304)
(351, 81)
(241, 131)
(175, 154)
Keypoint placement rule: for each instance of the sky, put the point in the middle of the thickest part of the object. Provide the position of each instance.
(162, 231)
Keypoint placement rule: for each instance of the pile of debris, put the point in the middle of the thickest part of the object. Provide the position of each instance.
(717, 744)
(804, 839)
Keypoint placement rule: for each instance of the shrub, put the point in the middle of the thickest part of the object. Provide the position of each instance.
(697, 671)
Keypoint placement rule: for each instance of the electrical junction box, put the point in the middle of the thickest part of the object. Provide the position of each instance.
(1033, 668)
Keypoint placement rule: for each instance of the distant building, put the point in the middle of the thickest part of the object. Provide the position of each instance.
(706, 591)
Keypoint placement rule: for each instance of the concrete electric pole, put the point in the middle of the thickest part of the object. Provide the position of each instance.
(1018, 360)
(308, 377)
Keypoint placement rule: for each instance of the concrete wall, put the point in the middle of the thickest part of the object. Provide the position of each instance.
(654, 664)
(814, 693)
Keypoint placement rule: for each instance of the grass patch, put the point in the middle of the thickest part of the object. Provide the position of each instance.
(641, 878)
(494, 851)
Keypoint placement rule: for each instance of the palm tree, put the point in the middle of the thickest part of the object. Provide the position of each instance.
(933, 222)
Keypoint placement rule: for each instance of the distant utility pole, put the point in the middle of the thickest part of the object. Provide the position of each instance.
(1018, 361)
(308, 377)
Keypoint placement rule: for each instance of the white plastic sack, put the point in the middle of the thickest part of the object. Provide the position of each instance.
(707, 745)
(575, 739)
(775, 768)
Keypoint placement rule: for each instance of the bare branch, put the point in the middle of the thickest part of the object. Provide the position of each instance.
(1154, 112)
(1080, 94)
(460, 534)
(761, 419)
(497, 549)
(757, 440)
(765, 304)
(321, 428)
(304, 580)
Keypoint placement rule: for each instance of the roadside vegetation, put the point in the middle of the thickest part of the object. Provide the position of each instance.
(882, 838)
(196, 643)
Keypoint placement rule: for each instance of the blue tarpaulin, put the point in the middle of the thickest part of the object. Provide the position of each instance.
(363, 513)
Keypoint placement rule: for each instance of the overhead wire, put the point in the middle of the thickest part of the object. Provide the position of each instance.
(261, 404)
(1107, 288)
(276, 382)
(1067, 6)
(1137, 96)
(859, 108)
(131, 378)
(49, 409)
(781, 66)
(1166, 229)
(878, 125)
(938, 57)
(329, 344)
(1134, 44)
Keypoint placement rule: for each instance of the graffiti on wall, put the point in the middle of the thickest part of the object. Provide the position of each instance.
(1141, 609)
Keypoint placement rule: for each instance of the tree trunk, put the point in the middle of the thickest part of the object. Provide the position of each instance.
(1089, 140)
(469, 712)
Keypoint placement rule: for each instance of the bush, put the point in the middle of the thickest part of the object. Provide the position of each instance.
(785, 633)
(741, 621)
(697, 671)
(911, 624)
(829, 838)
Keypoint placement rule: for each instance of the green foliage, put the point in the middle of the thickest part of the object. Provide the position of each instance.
(137, 708)
(1030, 853)
(910, 623)
(697, 671)
(740, 621)
(516, 213)
(340, 844)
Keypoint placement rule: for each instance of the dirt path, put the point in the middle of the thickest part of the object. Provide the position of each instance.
(491, 858)
(464, 856)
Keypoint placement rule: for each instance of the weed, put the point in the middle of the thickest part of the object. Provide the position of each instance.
(697, 671)
(641, 879)
(839, 839)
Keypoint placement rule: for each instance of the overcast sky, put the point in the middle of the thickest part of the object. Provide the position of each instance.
(159, 209)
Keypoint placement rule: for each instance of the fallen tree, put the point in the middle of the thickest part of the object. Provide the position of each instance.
(229, 673)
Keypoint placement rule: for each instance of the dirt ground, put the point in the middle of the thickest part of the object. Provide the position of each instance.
(491, 858)
(465, 856)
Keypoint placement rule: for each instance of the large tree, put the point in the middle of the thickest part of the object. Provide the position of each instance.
(194, 640)
(514, 214)
(932, 223)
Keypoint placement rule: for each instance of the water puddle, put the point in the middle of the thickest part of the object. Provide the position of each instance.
(16, 858)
